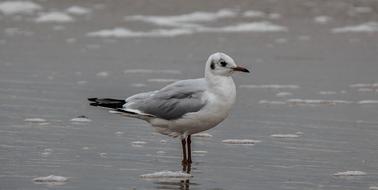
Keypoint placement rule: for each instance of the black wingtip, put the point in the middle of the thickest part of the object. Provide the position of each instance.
(92, 99)
(106, 102)
(94, 104)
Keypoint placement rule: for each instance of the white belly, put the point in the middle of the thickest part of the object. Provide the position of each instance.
(208, 117)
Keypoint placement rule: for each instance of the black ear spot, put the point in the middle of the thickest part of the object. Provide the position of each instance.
(212, 66)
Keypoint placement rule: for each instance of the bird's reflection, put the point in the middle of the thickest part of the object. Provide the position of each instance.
(185, 183)
(177, 185)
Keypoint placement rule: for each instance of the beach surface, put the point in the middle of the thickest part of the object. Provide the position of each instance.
(305, 117)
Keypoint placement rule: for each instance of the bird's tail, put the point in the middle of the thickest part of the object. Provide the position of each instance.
(107, 103)
(117, 107)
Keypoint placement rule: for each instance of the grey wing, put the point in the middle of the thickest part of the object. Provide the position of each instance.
(140, 96)
(172, 101)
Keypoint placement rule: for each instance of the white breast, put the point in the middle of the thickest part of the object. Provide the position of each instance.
(219, 100)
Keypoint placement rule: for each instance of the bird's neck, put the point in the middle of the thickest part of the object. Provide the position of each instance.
(223, 86)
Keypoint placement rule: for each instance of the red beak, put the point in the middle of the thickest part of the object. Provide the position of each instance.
(241, 69)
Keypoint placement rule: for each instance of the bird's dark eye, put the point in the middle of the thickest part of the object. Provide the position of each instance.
(223, 63)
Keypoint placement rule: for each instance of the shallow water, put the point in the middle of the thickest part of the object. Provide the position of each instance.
(310, 103)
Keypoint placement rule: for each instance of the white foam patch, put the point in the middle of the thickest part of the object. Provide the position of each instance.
(205, 135)
(200, 152)
(327, 92)
(373, 188)
(51, 180)
(350, 173)
(364, 85)
(285, 135)
(185, 20)
(264, 26)
(316, 102)
(119, 133)
(241, 141)
(271, 102)
(126, 33)
(162, 80)
(163, 141)
(18, 7)
(152, 71)
(46, 152)
(368, 102)
(283, 94)
(191, 23)
(78, 10)
(35, 120)
(56, 17)
(167, 174)
(240, 27)
(81, 119)
(103, 155)
(102, 74)
(365, 27)
(138, 143)
(254, 14)
(271, 86)
(322, 19)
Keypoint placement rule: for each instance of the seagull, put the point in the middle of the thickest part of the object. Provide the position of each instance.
(184, 107)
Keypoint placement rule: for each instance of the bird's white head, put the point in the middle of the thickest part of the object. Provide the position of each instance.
(220, 64)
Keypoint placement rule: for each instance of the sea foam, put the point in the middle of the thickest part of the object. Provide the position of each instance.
(365, 27)
(350, 173)
(78, 10)
(59, 17)
(271, 86)
(18, 7)
(184, 20)
(285, 135)
(35, 120)
(240, 141)
(167, 174)
(51, 180)
(124, 33)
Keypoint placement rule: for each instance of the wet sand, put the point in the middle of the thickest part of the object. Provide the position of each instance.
(309, 106)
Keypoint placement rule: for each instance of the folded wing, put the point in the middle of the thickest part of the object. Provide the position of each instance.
(171, 102)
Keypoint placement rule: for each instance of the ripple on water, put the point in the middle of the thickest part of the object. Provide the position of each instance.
(350, 173)
(51, 180)
(241, 141)
(167, 174)
(35, 120)
(285, 135)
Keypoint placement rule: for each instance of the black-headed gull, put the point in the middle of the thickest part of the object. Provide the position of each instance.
(184, 107)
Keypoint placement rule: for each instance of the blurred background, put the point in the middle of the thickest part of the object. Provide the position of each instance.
(310, 102)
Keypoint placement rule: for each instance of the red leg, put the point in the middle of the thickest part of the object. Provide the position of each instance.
(189, 150)
(184, 160)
